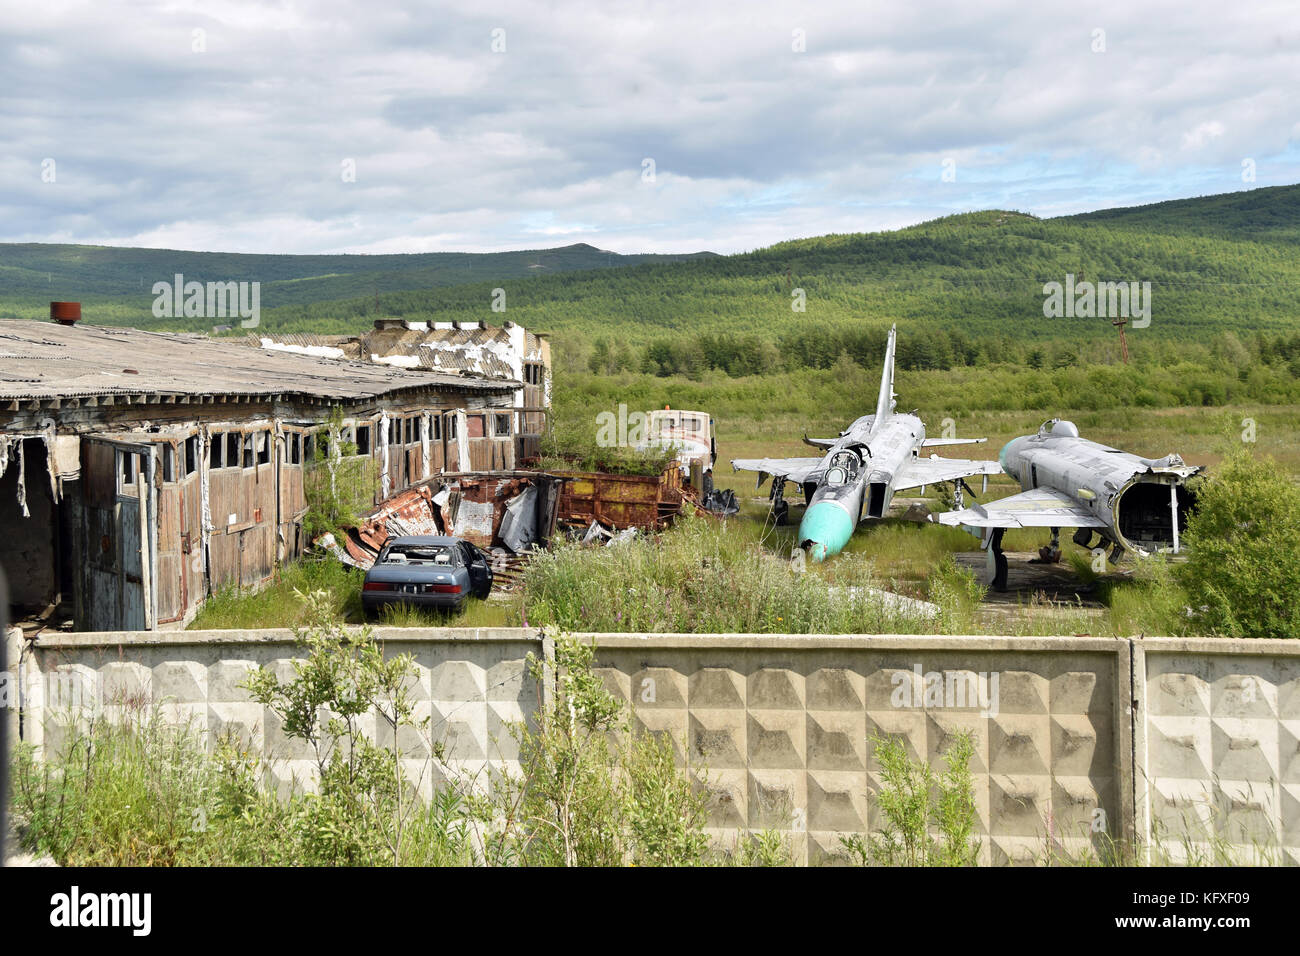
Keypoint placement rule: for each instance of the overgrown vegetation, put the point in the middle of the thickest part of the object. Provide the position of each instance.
(915, 801)
(593, 792)
(1242, 575)
(571, 446)
(134, 789)
(338, 484)
(701, 577)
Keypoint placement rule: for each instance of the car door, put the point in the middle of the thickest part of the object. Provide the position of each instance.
(480, 570)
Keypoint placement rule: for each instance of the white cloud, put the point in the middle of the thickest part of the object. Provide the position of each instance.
(240, 147)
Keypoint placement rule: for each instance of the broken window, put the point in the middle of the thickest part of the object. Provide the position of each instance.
(451, 426)
(128, 469)
(363, 439)
(263, 448)
(169, 463)
(215, 445)
(437, 427)
(249, 453)
(417, 429)
(293, 448)
(191, 455)
(309, 447)
(234, 449)
(502, 424)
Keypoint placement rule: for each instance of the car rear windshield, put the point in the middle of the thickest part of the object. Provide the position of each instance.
(419, 554)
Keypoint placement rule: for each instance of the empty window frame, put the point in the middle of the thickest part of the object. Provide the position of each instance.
(363, 440)
(191, 455)
(216, 446)
(168, 462)
(234, 449)
(502, 428)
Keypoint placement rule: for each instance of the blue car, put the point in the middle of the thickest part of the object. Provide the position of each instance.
(426, 571)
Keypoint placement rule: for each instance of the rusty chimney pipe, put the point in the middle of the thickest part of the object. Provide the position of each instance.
(65, 313)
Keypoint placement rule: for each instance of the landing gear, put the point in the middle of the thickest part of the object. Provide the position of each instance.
(1052, 553)
(998, 559)
(1083, 538)
(780, 507)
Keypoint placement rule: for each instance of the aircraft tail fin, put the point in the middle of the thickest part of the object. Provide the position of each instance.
(885, 403)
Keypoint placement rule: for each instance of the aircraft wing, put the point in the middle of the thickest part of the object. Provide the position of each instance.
(1038, 508)
(929, 471)
(793, 469)
(931, 442)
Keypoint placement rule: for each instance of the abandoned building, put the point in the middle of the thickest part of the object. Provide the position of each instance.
(141, 471)
(507, 352)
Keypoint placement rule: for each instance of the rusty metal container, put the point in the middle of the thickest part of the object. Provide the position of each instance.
(65, 313)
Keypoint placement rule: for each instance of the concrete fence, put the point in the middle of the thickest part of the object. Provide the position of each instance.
(1080, 743)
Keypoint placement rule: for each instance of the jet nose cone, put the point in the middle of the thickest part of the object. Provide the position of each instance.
(825, 530)
(1007, 450)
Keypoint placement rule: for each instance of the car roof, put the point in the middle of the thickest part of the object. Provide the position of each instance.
(422, 539)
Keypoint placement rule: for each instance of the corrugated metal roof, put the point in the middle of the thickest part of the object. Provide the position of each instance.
(47, 360)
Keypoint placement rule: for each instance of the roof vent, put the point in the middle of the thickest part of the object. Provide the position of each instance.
(65, 313)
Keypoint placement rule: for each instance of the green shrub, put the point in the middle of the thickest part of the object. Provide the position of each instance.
(1242, 574)
(913, 800)
(592, 792)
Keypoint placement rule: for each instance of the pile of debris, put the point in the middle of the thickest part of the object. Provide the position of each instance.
(510, 514)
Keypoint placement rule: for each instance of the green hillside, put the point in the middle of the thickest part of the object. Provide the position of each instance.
(115, 283)
(967, 292)
(968, 289)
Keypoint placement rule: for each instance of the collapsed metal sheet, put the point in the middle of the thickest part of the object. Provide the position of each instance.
(519, 523)
(514, 513)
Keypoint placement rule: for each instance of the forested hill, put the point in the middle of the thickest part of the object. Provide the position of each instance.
(117, 281)
(1271, 213)
(965, 289)
(960, 284)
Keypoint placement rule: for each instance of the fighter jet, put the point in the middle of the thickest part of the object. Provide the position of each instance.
(874, 457)
(1135, 504)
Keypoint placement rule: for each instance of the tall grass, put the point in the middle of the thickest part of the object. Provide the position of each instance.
(276, 604)
(700, 577)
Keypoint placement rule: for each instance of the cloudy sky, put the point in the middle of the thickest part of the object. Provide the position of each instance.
(396, 126)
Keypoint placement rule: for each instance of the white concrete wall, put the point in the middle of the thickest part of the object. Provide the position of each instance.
(1081, 742)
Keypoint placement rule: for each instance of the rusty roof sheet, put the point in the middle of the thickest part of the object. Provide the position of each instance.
(48, 360)
(467, 351)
